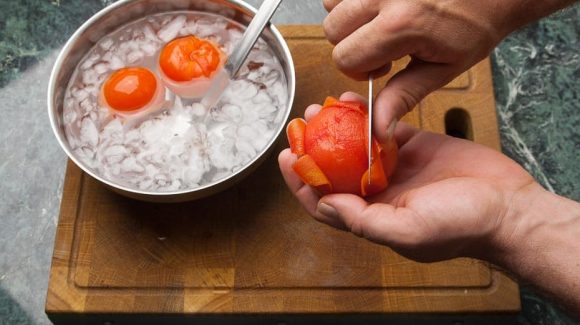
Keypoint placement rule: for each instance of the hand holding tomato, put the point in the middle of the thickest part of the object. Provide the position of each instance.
(447, 197)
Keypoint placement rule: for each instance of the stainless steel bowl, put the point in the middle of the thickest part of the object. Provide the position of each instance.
(123, 12)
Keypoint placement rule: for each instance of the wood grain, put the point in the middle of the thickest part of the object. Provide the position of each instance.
(252, 249)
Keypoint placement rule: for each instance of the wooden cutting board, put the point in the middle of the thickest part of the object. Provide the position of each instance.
(252, 249)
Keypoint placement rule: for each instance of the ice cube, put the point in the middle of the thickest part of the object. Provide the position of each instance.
(101, 68)
(151, 170)
(247, 132)
(150, 34)
(113, 127)
(148, 48)
(170, 31)
(93, 90)
(245, 148)
(130, 165)
(135, 56)
(90, 77)
(132, 135)
(271, 78)
(174, 186)
(198, 109)
(177, 148)
(198, 165)
(145, 184)
(92, 59)
(265, 110)
(104, 115)
(221, 151)
(235, 35)
(106, 43)
(262, 98)
(261, 142)
(278, 91)
(191, 27)
(69, 117)
(80, 94)
(241, 90)
(116, 63)
(115, 169)
(115, 154)
(107, 56)
(87, 106)
(89, 132)
(233, 112)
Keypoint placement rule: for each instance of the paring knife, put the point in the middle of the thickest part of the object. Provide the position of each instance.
(370, 126)
(239, 55)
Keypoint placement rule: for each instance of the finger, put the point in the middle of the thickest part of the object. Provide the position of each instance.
(311, 111)
(371, 48)
(350, 96)
(404, 133)
(382, 71)
(377, 73)
(285, 160)
(377, 222)
(406, 89)
(330, 4)
(304, 193)
(348, 16)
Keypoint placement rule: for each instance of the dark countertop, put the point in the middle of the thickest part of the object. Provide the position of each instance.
(537, 85)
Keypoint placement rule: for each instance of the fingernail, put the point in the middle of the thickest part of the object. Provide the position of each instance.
(326, 210)
(391, 130)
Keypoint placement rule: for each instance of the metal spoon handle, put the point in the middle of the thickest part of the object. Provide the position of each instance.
(251, 35)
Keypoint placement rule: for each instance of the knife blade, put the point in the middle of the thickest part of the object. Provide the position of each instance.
(370, 126)
(240, 53)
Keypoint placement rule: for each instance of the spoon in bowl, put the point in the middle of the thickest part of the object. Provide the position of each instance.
(241, 52)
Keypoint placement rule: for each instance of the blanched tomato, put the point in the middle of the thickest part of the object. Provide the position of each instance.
(335, 139)
(188, 58)
(130, 89)
(332, 151)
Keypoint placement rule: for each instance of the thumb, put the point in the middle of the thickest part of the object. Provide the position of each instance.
(378, 222)
(405, 90)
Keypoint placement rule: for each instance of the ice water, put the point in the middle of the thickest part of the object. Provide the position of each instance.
(185, 145)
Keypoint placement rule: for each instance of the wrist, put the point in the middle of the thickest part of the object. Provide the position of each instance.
(535, 221)
(526, 212)
(538, 240)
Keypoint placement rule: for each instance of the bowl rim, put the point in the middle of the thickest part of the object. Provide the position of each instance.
(53, 112)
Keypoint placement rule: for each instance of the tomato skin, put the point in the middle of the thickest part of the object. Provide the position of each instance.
(335, 138)
(130, 89)
(188, 58)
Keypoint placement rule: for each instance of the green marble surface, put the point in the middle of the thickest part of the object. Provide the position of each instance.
(30, 29)
(537, 84)
(536, 74)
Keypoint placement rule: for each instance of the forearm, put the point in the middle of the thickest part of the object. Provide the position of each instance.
(540, 244)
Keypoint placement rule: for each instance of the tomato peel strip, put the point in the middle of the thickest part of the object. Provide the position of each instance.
(295, 133)
(378, 178)
(311, 174)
